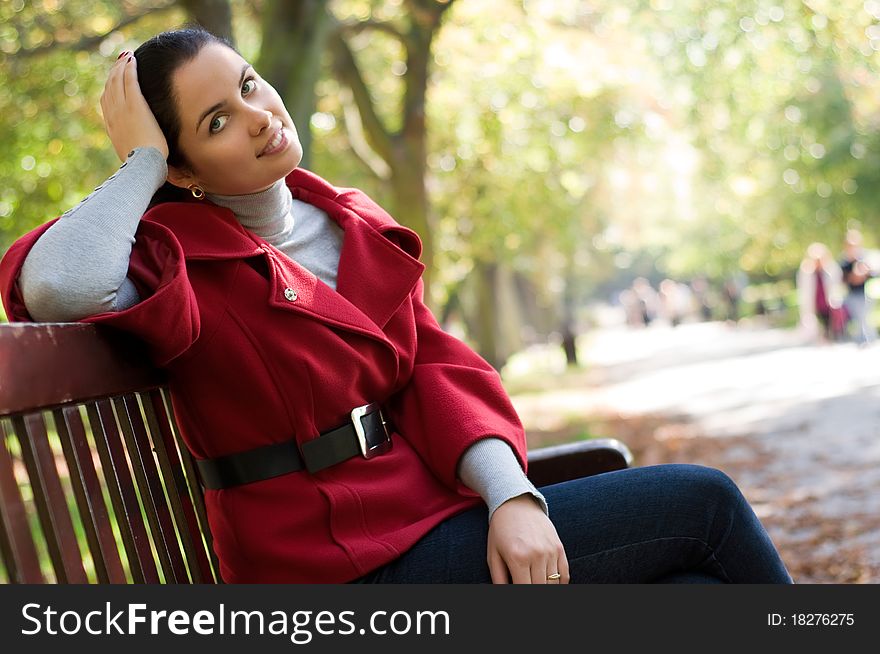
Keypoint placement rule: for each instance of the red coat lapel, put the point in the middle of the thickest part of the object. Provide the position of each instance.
(379, 266)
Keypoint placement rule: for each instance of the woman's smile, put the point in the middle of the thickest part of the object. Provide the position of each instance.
(278, 142)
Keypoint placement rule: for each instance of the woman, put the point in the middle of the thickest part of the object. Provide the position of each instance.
(818, 282)
(287, 313)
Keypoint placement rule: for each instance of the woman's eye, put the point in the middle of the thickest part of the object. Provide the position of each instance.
(248, 87)
(218, 123)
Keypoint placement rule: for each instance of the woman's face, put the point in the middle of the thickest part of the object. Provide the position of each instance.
(235, 132)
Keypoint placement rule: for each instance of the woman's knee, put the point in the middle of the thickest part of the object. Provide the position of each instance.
(687, 487)
(709, 484)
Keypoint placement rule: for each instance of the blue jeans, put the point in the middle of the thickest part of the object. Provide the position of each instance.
(658, 524)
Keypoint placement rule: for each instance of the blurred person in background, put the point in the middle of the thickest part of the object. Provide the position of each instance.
(818, 284)
(732, 291)
(674, 301)
(647, 299)
(856, 273)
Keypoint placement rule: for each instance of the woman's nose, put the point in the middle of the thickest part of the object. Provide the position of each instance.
(261, 120)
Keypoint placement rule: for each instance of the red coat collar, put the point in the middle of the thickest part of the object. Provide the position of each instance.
(207, 231)
(378, 267)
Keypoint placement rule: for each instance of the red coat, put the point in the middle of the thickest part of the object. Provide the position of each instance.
(249, 367)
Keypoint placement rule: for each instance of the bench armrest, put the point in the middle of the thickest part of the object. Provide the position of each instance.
(558, 463)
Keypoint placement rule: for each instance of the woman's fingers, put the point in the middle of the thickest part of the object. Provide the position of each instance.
(130, 80)
(550, 572)
(520, 573)
(497, 568)
(540, 572)
(562, 567)
(523, 538)
(557, 569)
(127, 117)
(113, 86)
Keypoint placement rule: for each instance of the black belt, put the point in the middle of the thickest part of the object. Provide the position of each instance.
(365, 435)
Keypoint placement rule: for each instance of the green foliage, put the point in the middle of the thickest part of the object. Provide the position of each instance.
(783, 113)
(54, 150)
(522, 127)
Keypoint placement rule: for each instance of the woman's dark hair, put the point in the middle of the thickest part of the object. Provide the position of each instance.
(157, 61)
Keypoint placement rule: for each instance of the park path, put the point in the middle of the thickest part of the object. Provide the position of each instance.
(796, 425)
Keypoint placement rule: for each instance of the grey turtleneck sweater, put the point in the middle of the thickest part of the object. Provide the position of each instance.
(78, 268)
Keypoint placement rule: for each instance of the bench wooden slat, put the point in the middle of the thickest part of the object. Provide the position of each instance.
(178, 487)
(196, 495)
(8, 568)
(124, 499)
(89, 495)
(18, 549)
(50, 498)
(152, 495)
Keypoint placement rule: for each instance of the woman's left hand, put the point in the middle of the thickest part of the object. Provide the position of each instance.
(523, 542)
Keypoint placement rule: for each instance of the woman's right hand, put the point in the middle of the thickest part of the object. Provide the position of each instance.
(523, 546)
(127, 117)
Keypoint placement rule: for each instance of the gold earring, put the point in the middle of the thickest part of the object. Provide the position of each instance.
(196, 191)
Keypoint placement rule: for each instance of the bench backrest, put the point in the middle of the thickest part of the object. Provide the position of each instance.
(89, 447)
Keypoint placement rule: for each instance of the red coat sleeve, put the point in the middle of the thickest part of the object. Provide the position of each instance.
(167, 316)
(453, 398)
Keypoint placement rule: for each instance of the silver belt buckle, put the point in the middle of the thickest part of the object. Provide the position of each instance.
(369, 451)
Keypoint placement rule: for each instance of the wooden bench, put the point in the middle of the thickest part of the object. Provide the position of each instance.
(95, 483)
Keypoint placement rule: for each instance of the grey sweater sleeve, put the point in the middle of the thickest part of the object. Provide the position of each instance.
(490, 468)
(79, 266)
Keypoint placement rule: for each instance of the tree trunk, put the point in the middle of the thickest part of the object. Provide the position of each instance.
(410, 207)
(214, 15)
(294, 38)
(493, 314)
(569, 345)
(568, 328)
(410, 151)
(485, 331)
(404, 152)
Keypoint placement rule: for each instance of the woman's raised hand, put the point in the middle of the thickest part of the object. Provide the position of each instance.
(127, 116)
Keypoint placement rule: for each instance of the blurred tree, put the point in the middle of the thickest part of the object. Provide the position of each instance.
(214, 15)
(524, 128)
(394, 150)
(782, 110)
(53, 62)
(294, 38)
